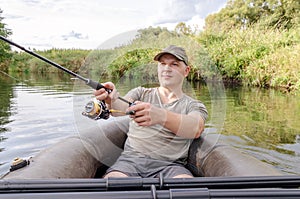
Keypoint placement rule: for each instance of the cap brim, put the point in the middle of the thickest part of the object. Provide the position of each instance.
(156, 58)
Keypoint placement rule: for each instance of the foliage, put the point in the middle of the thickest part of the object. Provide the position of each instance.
(70, 59)
(97, 61)
(182, 28)
(259, 57)
(130, 59)
(242, 13)
(254, 42)
(4, 47)
(279, 69)
(19, 62)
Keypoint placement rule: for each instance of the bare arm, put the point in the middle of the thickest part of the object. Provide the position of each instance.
(188, 126)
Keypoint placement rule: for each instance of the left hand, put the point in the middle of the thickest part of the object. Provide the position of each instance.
(146, 114)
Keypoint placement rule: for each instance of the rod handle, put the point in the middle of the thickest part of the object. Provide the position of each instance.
(96, 85)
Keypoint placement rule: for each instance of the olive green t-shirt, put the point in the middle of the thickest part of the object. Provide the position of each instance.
(155, 141)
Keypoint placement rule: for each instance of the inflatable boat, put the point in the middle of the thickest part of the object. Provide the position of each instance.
(88, 154)
(73, 168)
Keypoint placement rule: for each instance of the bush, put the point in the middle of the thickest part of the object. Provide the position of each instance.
(256, 56)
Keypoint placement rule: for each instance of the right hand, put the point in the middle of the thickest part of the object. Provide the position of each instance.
(102, 94)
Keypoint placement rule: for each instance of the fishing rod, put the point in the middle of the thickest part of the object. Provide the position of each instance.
(89, 82)
(94, 109)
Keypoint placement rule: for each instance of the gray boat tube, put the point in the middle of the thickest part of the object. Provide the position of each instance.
(80, 156)
(213, 159)
(77, 156)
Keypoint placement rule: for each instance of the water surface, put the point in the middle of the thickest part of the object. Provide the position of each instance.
(38, 111)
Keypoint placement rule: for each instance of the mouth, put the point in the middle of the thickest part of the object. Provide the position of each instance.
(166, 76)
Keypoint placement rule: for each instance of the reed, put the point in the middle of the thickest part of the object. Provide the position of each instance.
(256, 56)
(72, 59)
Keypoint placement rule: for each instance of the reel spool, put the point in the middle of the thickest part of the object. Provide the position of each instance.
(96, 109)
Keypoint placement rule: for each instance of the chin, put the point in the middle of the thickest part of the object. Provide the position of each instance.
(166, 85)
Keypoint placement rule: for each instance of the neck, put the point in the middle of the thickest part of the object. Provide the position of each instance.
(168, 95)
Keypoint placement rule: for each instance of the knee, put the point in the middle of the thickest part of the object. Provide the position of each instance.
(115, 174)
(183, 176)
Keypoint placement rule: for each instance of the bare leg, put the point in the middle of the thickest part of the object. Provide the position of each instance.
(183, 176)
(115, 174)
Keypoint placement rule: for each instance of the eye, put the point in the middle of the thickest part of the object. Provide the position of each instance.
(176, 64)
(161, 63)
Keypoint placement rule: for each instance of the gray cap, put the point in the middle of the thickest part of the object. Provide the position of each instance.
(176, 51)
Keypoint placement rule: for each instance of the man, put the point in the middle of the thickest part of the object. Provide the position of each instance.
(164, 123)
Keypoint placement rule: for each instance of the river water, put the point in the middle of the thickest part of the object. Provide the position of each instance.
(38, 111)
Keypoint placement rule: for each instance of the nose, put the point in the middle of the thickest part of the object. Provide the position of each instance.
(167, 67)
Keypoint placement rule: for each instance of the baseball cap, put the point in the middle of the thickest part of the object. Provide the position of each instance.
(176, 51)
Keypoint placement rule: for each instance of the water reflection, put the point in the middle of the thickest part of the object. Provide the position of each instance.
(267, 118)
(261, 122)
(6, 93)
(33, 115)
(266, 122)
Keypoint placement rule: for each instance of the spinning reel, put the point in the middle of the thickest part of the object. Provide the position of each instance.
(96, 110)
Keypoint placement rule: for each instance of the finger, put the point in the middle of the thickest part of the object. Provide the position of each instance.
(142, 121)
(134, 108)
(141, 113)
(102, 96)
(139, 119)
(137, 102)
(109, 85)
(99, 92)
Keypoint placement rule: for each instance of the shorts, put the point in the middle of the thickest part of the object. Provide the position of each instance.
(147, 168)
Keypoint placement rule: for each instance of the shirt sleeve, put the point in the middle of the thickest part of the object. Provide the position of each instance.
(134, 94)
(198, 106)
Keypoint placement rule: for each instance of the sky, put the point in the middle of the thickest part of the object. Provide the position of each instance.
(46, 24)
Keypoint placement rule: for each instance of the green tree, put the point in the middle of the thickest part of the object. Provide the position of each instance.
(154, 33)
(242, 13)
(182, 28)
(4, 47)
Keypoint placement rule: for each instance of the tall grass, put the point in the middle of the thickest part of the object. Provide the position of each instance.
(136, 58)
(256, 56)
(71, 59)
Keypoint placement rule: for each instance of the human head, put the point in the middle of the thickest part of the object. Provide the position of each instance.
(176, 51)
(172, 67)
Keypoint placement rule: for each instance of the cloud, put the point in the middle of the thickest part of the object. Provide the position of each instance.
(175, 11)
(75, 35)
(14, 16)
(86, 24)
(207, 7)
(119, 40)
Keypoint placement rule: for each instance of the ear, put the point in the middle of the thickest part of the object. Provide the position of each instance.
(187, 71)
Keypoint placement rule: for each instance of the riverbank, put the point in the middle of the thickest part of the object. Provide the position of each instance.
(256, 57)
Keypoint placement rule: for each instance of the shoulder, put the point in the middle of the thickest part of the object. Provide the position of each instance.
(194, 105)
(189, 99)
(141, 89)
(140, 92)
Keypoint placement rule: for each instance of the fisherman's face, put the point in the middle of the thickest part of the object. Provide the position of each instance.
(171, 71)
